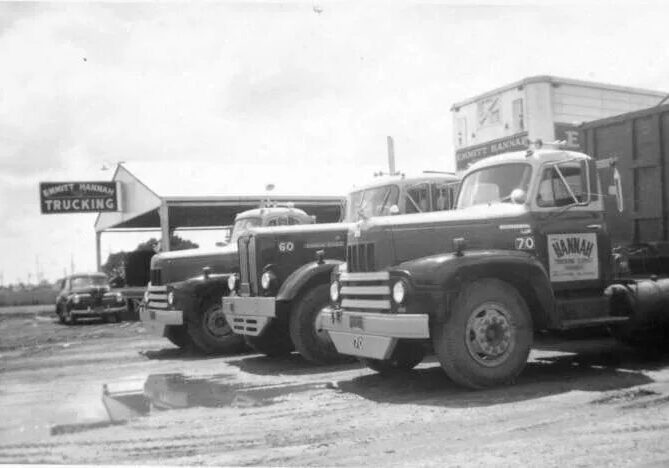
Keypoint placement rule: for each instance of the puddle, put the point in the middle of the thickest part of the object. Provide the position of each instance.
(165, 392)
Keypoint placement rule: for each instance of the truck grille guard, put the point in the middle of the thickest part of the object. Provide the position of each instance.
(248, 269)
(365, 291)
(360, 257)
(157, 297)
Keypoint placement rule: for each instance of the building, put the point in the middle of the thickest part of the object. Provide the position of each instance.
(539, 107)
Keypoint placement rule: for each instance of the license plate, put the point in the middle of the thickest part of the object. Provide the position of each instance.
(355, 321)
(358, 342)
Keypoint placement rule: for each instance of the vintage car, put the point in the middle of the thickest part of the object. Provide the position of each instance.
(88, 295)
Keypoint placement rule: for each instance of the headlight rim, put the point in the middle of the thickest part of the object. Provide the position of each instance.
(170, 298)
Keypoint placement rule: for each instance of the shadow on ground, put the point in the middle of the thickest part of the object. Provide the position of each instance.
(292, 364)
(599, 371)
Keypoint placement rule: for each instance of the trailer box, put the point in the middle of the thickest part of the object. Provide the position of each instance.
(638, 142)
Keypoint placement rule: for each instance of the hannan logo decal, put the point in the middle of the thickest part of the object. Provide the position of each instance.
(572, 246)
(573, 257)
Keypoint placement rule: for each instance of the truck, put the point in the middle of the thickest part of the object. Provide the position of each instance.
(182, 299)
(534, 244)
(284, 273)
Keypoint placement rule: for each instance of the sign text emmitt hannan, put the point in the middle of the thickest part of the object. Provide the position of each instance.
(78, 197)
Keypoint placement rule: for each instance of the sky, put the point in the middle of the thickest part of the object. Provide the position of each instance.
(85, 85)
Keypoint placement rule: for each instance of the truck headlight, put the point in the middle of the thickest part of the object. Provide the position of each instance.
(334, 291)
(266, 279)
(76, 298)
(146, 296)
(119, 297)
(399, 291)
(232, 283)
(170, 298)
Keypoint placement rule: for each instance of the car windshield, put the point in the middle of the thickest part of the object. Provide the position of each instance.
(372, 202)
(493, 184)
(243, 225)
(88, 281)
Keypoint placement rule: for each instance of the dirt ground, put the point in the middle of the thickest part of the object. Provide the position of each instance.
(109, 393)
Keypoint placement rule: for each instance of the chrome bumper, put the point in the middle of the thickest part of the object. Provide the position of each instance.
(249, 315)
(98, 311)
(155, 320)
(371, 334)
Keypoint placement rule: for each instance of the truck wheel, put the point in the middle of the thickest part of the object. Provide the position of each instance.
(274, 340)
(67, 317)
(315, 346)
(178, 335)
(405, 357)
(486, 337)
(210, 331)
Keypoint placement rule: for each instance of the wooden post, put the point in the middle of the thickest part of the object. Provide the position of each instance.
(391, 156)
(164, 227)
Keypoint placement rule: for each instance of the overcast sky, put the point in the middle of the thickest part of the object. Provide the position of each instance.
(84, 84)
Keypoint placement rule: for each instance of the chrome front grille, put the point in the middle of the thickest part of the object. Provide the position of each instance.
(248, 268)
(360, 257)
(365, 292)
(155, 277)
(157, 297)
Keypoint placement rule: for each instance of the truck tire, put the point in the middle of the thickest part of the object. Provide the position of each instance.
(274, 341)
(487, 335)
(405, 357)
(314, 346)
(61, 314)
(178, 335)
(210, 332)
(66, 316)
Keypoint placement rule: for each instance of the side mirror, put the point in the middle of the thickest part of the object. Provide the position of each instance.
(394, 210)
(617, 183)
(518, 196)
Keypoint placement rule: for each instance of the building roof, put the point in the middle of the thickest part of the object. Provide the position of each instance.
(205, 194)
(558, 80)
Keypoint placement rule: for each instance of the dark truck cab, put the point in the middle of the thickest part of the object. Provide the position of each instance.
(527, 248)
(285, 272)
(182, 300)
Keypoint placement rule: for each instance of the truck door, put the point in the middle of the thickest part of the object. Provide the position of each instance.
(571, 236)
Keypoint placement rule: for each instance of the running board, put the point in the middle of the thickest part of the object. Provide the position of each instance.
(568, 324)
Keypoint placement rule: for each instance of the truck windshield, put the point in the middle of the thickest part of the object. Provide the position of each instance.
(243, 225)
(372, 202)
(493, 184)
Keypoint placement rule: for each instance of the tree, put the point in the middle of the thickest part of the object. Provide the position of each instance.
(114, 267)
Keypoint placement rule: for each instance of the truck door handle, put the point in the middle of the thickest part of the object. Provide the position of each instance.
(594, 226)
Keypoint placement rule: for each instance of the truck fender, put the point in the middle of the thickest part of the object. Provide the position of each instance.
(191, 293)
(446, 273)
(303, 276)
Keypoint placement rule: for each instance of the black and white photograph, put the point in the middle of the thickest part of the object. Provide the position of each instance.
(334, 233)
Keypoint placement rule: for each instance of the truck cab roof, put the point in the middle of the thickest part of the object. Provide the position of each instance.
(385, 179)
(535, 157)
(274, 210)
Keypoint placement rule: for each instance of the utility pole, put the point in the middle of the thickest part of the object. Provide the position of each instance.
(391, 155)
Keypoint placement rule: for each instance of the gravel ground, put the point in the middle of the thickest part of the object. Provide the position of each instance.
(101, 393)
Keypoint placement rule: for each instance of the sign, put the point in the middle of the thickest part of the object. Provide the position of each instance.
(466, 156)
(569, 134)
(79, 197)
(573, 257)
